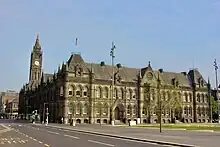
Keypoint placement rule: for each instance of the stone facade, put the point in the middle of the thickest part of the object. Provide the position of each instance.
(83, 91)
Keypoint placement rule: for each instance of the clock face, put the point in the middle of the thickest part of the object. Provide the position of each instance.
(37, 63)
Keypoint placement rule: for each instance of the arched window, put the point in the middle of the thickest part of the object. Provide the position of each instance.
(71, 90)
(86, 91)
(206, 98)
(85, 108)
(79, 91)
(120, 93)
(105, 92)
(134, 109)
(79, 108)
(203, 111)
(99, 108)
(152, 94)
(105, 111)
(129, 109)
(198, 97)
(190, 97)
(61, 90)
(199, 111)
(185, 110)
(186, 97)
(99, 92)
(130, 93)
(203, 98)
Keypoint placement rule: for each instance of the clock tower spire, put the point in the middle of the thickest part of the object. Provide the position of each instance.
(36, 62)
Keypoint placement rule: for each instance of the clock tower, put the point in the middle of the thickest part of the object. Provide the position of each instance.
(36, 62)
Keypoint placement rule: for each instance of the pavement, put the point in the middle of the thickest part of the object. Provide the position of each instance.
(31, 135)
(193, 138)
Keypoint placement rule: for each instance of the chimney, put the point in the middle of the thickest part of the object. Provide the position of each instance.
(102, 63)
(184, 73)
(161, 70)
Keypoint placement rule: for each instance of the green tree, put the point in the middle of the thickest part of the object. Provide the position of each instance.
(214, 104)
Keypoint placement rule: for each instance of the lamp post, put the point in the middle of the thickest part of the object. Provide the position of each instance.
(112, 85)
(46, 113)
(159, 101)
(216, 82)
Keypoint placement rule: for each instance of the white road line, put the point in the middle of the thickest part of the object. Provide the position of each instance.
(100, 143)
(19, 141)
(14, 142)
(71, 136)
(53, 132)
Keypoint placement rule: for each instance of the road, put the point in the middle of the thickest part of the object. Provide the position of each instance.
(26, 135)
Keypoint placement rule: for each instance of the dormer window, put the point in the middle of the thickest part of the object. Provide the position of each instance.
(177, 83)
(200, 82)
(173, 81)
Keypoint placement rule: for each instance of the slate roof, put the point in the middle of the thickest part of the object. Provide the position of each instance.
(130, 74)
(105, 72)
(167, 77)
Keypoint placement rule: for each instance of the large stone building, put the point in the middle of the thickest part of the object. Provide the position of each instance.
(83, 91)
(9, 95)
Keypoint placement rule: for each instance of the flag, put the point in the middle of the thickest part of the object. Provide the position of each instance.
(76, 43)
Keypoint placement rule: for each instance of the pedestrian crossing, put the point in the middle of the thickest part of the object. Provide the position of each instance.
(12, 140)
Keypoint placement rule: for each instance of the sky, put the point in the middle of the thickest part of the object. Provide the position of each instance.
(175, 35)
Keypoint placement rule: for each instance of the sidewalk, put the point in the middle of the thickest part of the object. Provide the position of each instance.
(202, 139)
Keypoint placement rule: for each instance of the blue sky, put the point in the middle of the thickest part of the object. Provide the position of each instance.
(169, 33)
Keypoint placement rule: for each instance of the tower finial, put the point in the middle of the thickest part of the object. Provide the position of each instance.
(37, 43)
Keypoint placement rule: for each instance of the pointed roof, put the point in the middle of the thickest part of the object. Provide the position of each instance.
(75, 58)
(37, 42)
(144, 70)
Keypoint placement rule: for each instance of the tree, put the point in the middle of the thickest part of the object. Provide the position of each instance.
(214, 105)
(170, 100)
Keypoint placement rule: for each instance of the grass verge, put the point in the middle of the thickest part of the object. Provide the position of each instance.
(179, 126)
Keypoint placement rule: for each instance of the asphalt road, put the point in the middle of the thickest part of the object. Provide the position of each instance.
(12, 138)
(36, 136)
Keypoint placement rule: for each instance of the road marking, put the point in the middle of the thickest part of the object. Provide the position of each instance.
(53, 132)
(14, 142)
(71, 136)
(46, 144)
(101, 143)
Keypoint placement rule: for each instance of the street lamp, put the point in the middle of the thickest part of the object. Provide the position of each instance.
(112, 85)
(216, 82)
(47, 116)
(159, 101)
(46, 113)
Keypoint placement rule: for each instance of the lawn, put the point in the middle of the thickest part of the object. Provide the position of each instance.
(183, 126)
